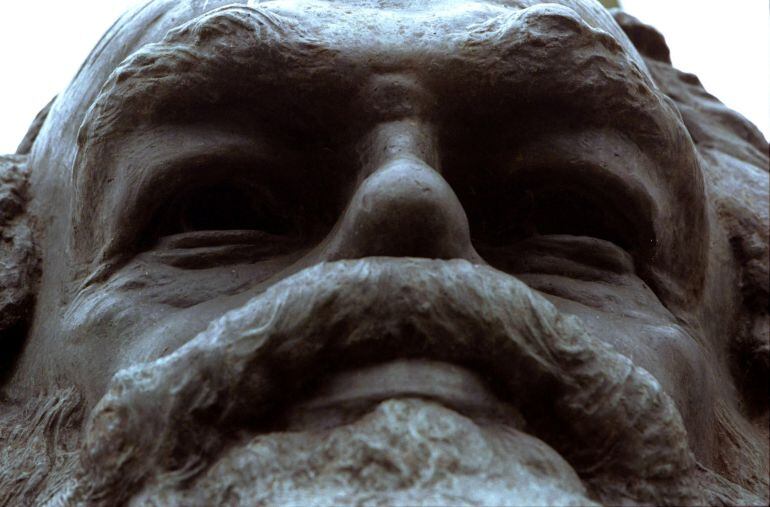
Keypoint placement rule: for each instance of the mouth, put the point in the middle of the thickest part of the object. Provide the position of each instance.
(321, 349)
(346, 396)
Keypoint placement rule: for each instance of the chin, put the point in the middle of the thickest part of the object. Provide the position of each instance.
(404, 451)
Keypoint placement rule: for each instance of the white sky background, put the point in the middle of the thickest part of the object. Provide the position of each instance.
(43, 43)
(726, 43)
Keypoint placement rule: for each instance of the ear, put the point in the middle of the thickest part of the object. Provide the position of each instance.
(734, 158)
(19, 262)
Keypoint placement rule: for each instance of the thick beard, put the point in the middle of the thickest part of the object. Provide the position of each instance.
(407, 452)
(404, 452)
(40, 440)
(177, 429)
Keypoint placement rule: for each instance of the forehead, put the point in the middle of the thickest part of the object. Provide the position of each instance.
(375, 30)
(352, 25)
(303, 48)
(402, 22)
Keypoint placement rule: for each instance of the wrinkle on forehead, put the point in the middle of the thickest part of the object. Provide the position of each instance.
(295, 28)
(267, 42)
(590, 11)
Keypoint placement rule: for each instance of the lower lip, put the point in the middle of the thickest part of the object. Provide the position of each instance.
(348, 395)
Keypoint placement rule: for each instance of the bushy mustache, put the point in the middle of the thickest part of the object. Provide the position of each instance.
(608, 417)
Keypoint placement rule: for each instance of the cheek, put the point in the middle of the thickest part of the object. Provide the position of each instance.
(673, 357)
(98, 329)
(146, 311)
(680, 365)
(636, 324)
(149, 309)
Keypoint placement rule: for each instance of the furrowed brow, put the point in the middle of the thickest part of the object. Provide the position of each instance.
(197, 63)
(547, 55)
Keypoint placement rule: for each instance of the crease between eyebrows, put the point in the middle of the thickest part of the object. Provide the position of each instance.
(271, 37)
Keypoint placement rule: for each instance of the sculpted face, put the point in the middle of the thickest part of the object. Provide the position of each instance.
(417, 252)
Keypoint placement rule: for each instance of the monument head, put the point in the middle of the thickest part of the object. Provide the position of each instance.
(490, 252)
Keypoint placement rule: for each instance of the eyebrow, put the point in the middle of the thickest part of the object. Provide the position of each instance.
(206, 59)
(202, 55)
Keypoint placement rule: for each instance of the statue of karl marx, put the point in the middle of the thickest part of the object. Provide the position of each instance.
(306, 252)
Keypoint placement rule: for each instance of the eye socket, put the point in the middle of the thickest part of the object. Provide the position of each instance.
(568, 211)
(576, 203)
(224, 207)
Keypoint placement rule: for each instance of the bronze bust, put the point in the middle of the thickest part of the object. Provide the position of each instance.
(384, 252)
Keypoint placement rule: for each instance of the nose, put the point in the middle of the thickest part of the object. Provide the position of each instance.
(403, 207)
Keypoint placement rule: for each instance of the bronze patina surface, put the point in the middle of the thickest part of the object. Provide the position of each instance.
(384, 253)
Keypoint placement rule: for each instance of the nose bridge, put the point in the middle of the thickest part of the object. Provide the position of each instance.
(402, 206)
(404, 139)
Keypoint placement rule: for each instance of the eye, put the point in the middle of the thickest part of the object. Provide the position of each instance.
(566, 210)
(222, 224)
(227, 208)
(224, 207)
(550, 202)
